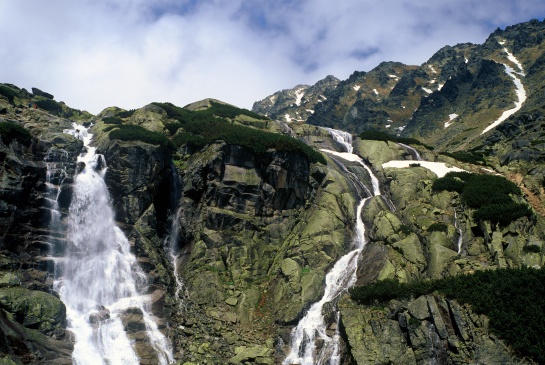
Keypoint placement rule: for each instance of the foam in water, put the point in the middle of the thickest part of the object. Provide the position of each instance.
(100, 277)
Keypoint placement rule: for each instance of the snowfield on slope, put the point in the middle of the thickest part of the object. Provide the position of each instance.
(438, 168)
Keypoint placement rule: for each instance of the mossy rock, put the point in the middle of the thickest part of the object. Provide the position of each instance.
(34, 309)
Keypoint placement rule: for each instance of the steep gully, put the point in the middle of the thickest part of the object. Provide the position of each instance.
(519, 89)
(312, 328)
(98, 278)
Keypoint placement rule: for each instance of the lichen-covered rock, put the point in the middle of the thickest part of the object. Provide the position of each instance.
(35, 309)
(428, 329)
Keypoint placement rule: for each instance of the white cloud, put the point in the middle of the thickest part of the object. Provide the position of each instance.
(94, 54)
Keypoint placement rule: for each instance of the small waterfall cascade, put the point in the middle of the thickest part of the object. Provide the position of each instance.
(413, 150)
(171, 242)
(56, 161)
(460, 233)
(342, 137)
(99, 278)
(312, 327)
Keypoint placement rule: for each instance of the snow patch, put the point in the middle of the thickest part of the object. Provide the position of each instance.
(375, 91)
(432, 69)
(387, 126)
(299, 96)
(427, 90)
(287, 117)
(440, 86)
(519, 89)
(513, 59)
(356, 87)
(451, 118)
(310, 111)
(466, 60)
(401, 128)
(438, 168)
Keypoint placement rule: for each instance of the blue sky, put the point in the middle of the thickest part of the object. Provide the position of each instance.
(128, 53)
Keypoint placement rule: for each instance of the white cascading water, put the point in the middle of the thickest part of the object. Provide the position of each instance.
(460, 233)
(99, 275)
(341, 277)
(342, 137)
(416, 154)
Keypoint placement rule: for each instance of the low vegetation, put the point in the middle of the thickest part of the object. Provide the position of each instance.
(50, 106)
(130, 132)
(202, 127)
(10, 131)
(9, 93)
(469, 157)
(491, 196)
(511, 298)
(375, 135)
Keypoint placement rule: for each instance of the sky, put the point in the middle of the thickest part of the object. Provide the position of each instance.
(93, 54)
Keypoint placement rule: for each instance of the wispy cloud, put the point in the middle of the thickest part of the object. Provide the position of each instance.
(94, 54)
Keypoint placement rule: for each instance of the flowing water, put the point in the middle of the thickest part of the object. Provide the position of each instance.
(460, 233)
(415, 153)
(99, 278)
(312, 328)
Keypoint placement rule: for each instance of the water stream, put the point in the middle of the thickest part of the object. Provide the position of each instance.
(415, 153)
(99, 279)
(312, 328)
(460, 233)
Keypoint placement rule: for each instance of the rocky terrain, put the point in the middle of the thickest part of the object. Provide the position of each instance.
(236, 236)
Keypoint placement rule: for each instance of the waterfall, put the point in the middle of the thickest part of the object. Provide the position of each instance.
(171, 243)
(99, 278)
(413, 150)
(460, 233)
(312, 326)
(344, 138)
(341, 277)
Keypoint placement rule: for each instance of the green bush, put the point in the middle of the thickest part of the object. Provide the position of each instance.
(112, 120)
(502, 214)
(130, 132)
(173, 127)
(206, 126)
(229, 111)
(481, 190)
(438, 227)
(511, 298)
(8, 93)
(490, 195)
(12, 131)
(194, 140)
(469, 157)
(50, 106)
(125, 114)
(375, 135)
